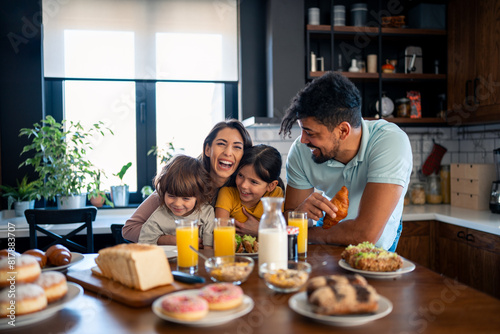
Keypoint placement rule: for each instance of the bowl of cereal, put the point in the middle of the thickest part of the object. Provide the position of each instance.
(232, 269)
(289, 279)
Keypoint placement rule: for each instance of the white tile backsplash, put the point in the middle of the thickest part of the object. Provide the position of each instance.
(462, 146)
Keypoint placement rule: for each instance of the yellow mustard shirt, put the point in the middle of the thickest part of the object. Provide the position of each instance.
(229, 200)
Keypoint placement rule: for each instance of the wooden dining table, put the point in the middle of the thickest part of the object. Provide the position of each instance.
(423, 302)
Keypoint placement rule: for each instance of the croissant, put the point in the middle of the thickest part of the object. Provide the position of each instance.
(39, 255)
(58, 255)
(341, 201)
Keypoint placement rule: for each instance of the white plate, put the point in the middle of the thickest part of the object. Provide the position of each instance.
(407, 267)
(299, 304)
(213, 318)
(170, 251)
(75, 258)
(74, 291)
(247, 254)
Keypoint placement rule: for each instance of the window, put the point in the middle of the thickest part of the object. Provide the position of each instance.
(154, 72)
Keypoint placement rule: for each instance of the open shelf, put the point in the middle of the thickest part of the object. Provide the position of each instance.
(374, 30)
(412, 121)
(386, 76)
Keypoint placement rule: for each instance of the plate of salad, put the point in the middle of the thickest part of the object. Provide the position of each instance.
(246, 245)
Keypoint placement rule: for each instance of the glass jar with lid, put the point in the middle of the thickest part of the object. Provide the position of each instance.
(417, 193)
(433, 191)
(403, 107)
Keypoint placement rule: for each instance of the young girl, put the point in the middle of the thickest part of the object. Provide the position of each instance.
(186, 190)
(258, 176)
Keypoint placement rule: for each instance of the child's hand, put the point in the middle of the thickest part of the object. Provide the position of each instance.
(250, 227)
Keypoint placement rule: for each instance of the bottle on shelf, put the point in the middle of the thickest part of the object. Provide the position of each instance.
(313, 62)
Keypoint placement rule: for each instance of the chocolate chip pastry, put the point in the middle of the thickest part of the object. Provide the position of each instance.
(338, 295)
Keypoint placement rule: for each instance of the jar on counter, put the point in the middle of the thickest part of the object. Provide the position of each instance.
(417, 194)
(433, 191)
(407, 198)
(444, 173)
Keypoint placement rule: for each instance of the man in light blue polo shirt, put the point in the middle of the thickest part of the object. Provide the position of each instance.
(337, 147)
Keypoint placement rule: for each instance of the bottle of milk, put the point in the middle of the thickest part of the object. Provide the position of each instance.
(272, 235)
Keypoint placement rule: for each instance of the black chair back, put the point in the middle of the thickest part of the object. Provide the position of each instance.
(86, 216)
(116, 231)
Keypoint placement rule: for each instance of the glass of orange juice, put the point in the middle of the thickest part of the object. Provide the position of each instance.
(224, 231)
(299, 219)
(186, 231)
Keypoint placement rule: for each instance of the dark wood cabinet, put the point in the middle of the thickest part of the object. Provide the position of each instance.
(470, 256)
(473, 66)
(417, 242)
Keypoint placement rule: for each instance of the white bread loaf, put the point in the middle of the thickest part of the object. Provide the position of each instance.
(138, 266)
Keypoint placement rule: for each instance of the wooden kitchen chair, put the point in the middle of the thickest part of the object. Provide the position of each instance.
(85, 216)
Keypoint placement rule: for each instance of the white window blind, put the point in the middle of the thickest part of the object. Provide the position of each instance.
(134, 39)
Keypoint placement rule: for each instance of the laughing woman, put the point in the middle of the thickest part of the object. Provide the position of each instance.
(222, 151)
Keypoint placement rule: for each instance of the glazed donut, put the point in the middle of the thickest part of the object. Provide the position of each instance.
(29, 298)
(54, 284)
(5, 253)
(58, 255)
(39, 255)
(24, 268)
(184, 307)
(222, 296)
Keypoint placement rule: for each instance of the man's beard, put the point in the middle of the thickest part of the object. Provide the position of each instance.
(322, 158)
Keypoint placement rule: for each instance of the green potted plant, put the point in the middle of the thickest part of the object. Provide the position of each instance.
(97, 196)
(59, 157)
(120, 194)
(146, 191)
(23, 195)
(164, 154)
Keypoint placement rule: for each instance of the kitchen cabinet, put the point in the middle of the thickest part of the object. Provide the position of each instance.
(473, 67)
(472, 257)
(339, 45)
(417, 242)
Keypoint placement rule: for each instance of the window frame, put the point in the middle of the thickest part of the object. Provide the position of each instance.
(145, 118)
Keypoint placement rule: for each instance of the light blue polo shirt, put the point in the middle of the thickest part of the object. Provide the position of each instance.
(384, 156)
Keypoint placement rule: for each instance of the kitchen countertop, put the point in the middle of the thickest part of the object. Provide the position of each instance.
(484, 221)
(478, 220)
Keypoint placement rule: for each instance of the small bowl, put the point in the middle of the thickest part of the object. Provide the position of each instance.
(286, 280)
(232, 269)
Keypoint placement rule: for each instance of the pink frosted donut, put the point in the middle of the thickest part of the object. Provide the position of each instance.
(184, 307)
(222, 296)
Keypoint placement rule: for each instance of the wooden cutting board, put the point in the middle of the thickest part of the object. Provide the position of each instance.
(110, 289)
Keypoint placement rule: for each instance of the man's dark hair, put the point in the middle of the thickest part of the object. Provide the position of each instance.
(331, 99)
